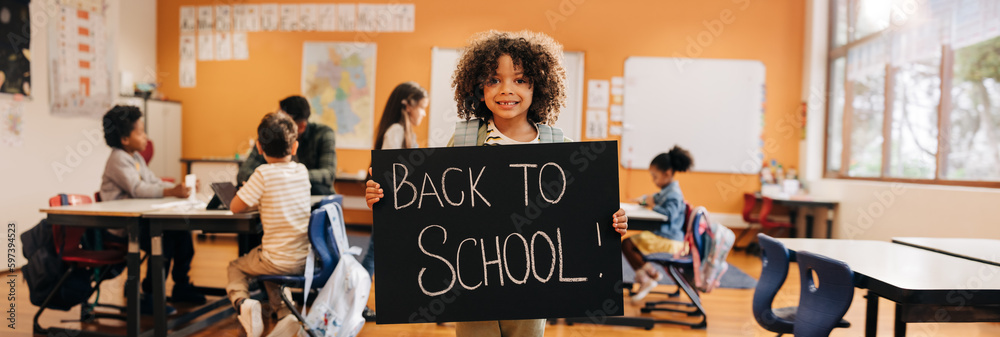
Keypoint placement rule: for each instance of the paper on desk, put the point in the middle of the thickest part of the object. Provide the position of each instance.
(181, 205)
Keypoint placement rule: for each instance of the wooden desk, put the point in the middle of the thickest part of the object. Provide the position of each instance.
(980, 250)
(926, 286)
(803, 222)
(125, 214)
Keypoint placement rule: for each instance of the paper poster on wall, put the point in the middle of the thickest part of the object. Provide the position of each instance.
(269, 17)
(615, 130)
(367, 15)
(616, 113)
(405, 17)
(597, 94)
(80, 77)
(15, 55)
(338, 79)
(189, 19)
(241, 49)
(13, 122)
(206, 21)
(223, 18)
(346, 15)
(205, 47)
(250, 18)
(327, 16)
(597, 124)
(188, 73)
(187, 44)
(308, 17)
(223, 46)
(289, 21)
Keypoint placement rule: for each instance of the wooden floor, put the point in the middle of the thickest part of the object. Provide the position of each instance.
(729, 310)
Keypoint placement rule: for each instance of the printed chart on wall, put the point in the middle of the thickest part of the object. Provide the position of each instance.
(80, 56)
(339, 81)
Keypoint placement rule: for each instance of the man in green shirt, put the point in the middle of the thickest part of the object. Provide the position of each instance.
(316, 148)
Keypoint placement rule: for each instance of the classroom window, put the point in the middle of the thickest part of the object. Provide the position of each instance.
(914, 89)
(835, 119)
(974, 135)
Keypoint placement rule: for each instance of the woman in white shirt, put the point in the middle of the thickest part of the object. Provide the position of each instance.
(405, 110)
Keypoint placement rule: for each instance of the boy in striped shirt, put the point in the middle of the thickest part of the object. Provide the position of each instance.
(281, 189)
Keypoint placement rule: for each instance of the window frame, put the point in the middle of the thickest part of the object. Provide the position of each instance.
(943, 111)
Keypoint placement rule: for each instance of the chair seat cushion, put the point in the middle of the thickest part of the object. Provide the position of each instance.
(94, 258)
(789, 313)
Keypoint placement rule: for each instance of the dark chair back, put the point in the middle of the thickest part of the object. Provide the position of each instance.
(774, 269)
(323, 242)
(822, 306)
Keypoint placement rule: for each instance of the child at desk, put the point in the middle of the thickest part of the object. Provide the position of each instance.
(281, 188)
(670, 202)
(126, 176)
(509, 88)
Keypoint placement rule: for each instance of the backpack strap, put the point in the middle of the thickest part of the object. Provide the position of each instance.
(549, 134)
(467, 132)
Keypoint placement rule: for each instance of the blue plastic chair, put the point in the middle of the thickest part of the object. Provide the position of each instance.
(327, 255)
(675, 269)
(822, 306)
(774, 270)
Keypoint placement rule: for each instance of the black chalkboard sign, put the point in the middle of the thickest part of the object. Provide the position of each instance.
(497, 232)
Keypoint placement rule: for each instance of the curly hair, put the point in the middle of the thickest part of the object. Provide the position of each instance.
(677, 159)
(119, 123)
(538, 55)
(276, 134)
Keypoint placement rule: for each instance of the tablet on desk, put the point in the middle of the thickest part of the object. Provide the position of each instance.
(224, 194)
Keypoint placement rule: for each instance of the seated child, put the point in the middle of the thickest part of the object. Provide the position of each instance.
(670, 202)
(126, 176)
(281, 188)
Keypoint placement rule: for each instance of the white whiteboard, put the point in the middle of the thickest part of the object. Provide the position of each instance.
(444, 113)
(713, 108)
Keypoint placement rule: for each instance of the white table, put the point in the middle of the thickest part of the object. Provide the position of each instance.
(924, 284)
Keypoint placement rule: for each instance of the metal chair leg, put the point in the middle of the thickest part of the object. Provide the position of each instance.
(302, 320)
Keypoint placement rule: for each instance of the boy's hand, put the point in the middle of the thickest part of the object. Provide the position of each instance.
(373, 193)
(620, 222)
(179, 191)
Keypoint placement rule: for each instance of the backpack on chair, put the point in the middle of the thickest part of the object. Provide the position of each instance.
(337, 309)
(710, 262)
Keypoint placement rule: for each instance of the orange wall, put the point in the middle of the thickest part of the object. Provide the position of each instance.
(222, 112)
